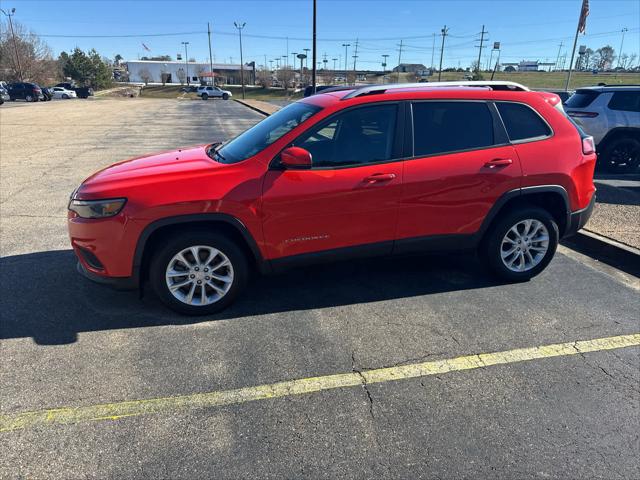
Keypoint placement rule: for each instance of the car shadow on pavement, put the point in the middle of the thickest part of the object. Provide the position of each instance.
(43, 297)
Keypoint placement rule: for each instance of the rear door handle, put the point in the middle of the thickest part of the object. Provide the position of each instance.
(498, 162)
(380, 177)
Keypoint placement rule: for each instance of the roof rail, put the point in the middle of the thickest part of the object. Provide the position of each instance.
(493, 84)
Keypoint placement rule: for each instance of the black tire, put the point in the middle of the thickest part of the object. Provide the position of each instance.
(621, 155)
(225, 96)
(491, 247)
(65, 96)
(30, 98)
(172, 246)
(205, 96)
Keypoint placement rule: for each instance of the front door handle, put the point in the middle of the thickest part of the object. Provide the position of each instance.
(498, 162)
(380, 177)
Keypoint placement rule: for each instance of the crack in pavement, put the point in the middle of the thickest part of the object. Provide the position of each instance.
(364, 383)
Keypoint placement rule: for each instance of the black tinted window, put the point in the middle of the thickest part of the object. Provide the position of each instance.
(440, 127)
(522, 122)
(581, 99)
(358, 136)
(626, 101)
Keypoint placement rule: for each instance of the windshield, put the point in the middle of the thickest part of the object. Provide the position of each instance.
(263, 134)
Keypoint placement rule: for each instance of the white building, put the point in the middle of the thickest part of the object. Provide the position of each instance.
(152, 71)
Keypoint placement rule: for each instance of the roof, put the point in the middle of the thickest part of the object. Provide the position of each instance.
(611, 88)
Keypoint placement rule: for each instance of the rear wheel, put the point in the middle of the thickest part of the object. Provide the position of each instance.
(205, 96)
(622, 155)
(521, 244)
(198, 273)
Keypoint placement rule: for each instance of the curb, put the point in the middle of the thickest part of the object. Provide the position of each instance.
(251, 107)
(606, 250)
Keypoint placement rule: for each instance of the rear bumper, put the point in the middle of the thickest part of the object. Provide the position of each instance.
(579, 218)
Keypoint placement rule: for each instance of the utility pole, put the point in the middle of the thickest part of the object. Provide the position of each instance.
(433, 51)
(306, 52)
(346, 47)
(186, 60)
(13, 36)
(210, 54)
(355, 55)
(558, 57)
(240, 26)
(624, 30)
(480, 52)
(384, 65)
(444, 34)
(270, 65)
(334, 65)
(399, 60)
(314, 47)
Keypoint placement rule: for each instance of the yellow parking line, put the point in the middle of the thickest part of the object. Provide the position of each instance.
(114, 411)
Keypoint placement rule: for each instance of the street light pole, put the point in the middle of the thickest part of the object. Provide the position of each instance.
(186, 60)
(13, 36)
(210, 54)
(384, 65)
(314, 48)
(346, 56)
(240, 27)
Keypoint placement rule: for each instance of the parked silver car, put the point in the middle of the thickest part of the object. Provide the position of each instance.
(611, 114)
(206, 91)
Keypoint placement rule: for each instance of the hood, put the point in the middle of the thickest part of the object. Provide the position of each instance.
(173, 164)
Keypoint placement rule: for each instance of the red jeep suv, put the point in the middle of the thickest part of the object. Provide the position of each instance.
(358, 171)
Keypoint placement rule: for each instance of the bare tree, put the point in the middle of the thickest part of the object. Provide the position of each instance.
(604, 57)
(145, 75)
(285, 76)
(181, 76)
(264, 77)
(33, 61)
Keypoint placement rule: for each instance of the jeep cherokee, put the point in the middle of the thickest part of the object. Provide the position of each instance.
(374, 170)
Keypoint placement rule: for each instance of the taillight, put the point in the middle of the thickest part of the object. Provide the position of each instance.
(582, 114)
(588, 146)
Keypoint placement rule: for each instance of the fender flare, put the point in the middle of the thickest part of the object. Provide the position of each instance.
(191, 218)
(522, 193)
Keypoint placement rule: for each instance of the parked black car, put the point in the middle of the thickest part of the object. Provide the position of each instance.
(25, 91)
(46, 93)
(82, 92)
(4, 96)
(189, 89)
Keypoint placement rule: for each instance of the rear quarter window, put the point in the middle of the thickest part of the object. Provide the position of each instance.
(625, 101)
(522, 122)
(582, 99)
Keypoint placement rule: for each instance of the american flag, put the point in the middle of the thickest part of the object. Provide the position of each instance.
(584, 13)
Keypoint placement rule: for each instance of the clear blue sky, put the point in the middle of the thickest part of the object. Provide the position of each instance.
(529, 30)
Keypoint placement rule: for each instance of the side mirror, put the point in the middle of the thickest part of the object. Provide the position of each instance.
(295, 157)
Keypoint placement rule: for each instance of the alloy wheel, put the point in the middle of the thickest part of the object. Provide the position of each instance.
(524, 245)
(199, 275)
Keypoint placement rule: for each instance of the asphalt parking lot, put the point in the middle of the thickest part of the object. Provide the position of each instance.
(144, 393)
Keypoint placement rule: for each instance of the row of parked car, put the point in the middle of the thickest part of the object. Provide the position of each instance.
(32, 92)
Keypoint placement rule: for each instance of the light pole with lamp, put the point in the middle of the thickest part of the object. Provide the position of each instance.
(346, 47)
(13, 36)
(186, 60)
(240, 26)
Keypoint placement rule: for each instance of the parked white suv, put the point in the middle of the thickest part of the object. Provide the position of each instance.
(205, 92)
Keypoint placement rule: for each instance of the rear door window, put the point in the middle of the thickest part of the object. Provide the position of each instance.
(625, 101)
(582, 98)
(522, 122)
(442, 127)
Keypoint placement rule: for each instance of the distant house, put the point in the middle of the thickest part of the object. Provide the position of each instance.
(417, 68)
(526, 66)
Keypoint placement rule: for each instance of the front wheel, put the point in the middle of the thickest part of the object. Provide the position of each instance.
(29, 98)
(521, 244)
(225, 96)
(65, 96)
(198, 273)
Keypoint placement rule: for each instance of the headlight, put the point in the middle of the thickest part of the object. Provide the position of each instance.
(97, 208)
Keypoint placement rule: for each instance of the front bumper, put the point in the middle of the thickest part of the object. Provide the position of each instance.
(579, 218)
(118, 283)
